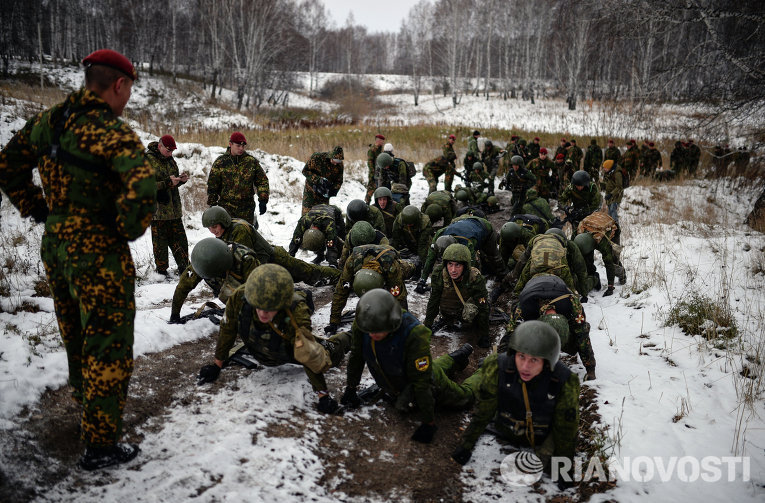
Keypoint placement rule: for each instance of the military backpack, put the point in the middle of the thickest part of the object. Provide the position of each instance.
(547, 253)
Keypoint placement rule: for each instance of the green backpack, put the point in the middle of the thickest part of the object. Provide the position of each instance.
(547, 253)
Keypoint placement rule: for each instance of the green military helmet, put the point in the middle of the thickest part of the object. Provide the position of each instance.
(560, 324)
(378, 311)
(269, 288)
(456, 252)
(216, 215)
(510, 232)
(443, 242)
(585, 242)
(211, 258)
(536, 338)
(531, 194)
(313, 240)
(384, 160)
(410, 215)
(362, 233)
(492, 201)
(382, 192)
(357, 210)
(487, 145)
(461, 195)
(434, 211)
(365, 280)
(557, 232)
(477, 166)
(522, 141)
(580, 178)
(516, 159)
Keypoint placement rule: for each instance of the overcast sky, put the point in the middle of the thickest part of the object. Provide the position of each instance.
(375, 15)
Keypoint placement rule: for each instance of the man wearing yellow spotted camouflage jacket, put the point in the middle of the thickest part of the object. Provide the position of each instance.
(98, 193)
(323, 177)
(235, 178)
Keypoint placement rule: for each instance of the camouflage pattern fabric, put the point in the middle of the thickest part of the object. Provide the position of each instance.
(509, 250)
(614, 154)
(446, 201)
(444, 299)
(300, 270)
(372, 153)
(531, 268)
(243, 233)
(442, 165)
(233, 183)
(93, 215)
(651, 161)
(366, 257)
(575, 154)
(535, 205)
(416, 238)
(614, 185)
(320, 166)
(490, 159)
(543, 171)
(631, 161)
(578, 268)
(593, 160)
(518, 181)
(329, 220)
(375, 219)
(589, 197)
(533, 150)
(473, 146)
(169, 234)
(380, 239)
(389, 214)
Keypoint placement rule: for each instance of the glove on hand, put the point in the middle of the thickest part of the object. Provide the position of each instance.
(331, 329)
(424, 433)
(262, 207)
(461, 455)
(209, 373)
(421, 286)
(328, 405)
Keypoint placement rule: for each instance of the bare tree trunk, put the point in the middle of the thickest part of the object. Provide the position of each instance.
(39, 42)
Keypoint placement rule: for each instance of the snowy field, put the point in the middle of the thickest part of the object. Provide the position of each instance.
(664, 395)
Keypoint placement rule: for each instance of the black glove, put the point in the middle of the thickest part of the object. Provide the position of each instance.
(350, 399)
(583, 300)
(421, 286)
(209, 373)
(331, 329)
(461, 455)
(39, 214)
(174, 318)
(262, 207)
(494, 295)
(501, 184)
(424, 433)
(328, 405)
(608, 197)
(609, 291)
(294, 246)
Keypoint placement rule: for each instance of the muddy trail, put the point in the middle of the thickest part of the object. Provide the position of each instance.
(42, 451)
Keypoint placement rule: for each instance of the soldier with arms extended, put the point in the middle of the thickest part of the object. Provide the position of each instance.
(323, 177)
(98, 192)
(235, 178)
(412, 231)
(321, 229)
(442, 165)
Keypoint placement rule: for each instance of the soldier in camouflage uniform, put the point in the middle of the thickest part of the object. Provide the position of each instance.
(692, 158)
(531, 397)
(550, 257)
(473, 144)
(235, 178)
(167, 224)
(458, 293)
(518, 181)
(395, 347)
(323, 177)
(490, 158)
(392, 170)
(267, 313)
(544, 171)
(362, 233)
(383, 201)
(438, 205)
(631, 159)
(600, 232)
(534, 148)
(513, 240)
(374, 150)
(576, 264)
(593, 158)
(442, 165)
(359, 211)
(651, 160)
(382, 259)
(562, 148)
(100, 192)
(328, 219)
(583, 195)
(677, 158)
(612, 152)
(412, 231)
(535, 205)
(575, 154)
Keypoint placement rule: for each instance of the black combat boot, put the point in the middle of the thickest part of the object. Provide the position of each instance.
(597, 283)
(101, 457)
(461, 357)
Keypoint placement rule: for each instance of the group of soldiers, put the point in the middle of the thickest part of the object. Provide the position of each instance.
(95, 199)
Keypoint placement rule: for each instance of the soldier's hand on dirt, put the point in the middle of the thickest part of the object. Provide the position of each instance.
(328, 405)
(424, 433)
(262, 207)
(350, 398)
(208, 373)
(421, 286)
(331, 329)
(461, 455)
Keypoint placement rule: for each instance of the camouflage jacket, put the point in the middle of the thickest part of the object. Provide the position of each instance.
(416, 238)
(325, 217)
(364, 257)
(236, 180)
(372, 154)
(416, 363)
(168, 197)
(533, 150)
(510, 249)
(245, 261)
(519, 181)
(375, 218)
(612, 153)
(490, 157)
(242, 232)
(535, 205)
(320, 166)
(379, 239)
(445, 200)
(588, 197)
(102, 186)
(260, 336)
(614, 185)
(577, 266)
(565, 422)
(473, 146)
(631, 160)
(544, 171)
(444, 298)
(448, 153)
(652, 159)
(575, 154)
(389, 214)
(593, 159)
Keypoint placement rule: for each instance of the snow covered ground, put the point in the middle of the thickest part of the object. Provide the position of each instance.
(664, 395)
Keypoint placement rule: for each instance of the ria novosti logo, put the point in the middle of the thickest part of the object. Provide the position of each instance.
(522, 468)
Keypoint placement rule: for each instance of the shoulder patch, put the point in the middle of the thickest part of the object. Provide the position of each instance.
(395, 291)
(422, 364)
(580, 318)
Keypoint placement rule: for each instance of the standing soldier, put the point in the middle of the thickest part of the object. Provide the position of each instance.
(614, 188)
(413, 231)
(442, 165)
(521, 150)
(583, 195)
(562, 148)
(693, 156)
(274, 322)
(575, 154)
(677, 158)
(612, 152)
(323, 177)
(490, 158)
(518, 181)
(321, 229)
(234, 179)
(534, 148)
(100, 192)
(543, 168)
(593, 159)
(651, 160)
(167, 224)
(372, 153)
(473, 147)
(630, 161)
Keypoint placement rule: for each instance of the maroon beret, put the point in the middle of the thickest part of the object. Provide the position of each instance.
(514, 137)
(237, 137)
(452, 137)
(631, 142)
(168, 141)
(112, 59)
(543, 151)
(651, 144)
(563, 140)
(379, 137)
(559, 157)
(610, 140)
(536, 138)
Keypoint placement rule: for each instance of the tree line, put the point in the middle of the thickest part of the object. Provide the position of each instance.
(637, 50)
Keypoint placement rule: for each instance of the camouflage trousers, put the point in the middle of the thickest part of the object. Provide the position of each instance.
(92, 281)
(311, 199)
(433, 171)
(169, 234)
(371, 187)
(244, 209)
(309, 274)
(582, 346)
(448, 393)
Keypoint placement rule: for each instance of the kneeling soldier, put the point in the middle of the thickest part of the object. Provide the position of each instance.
(274, 322)
(459, 294)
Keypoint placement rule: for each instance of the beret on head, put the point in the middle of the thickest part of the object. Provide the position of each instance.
(168, 141)
(237, 137)
(559, 157)
(379, 137)
(543, 151)
(112, 59)
(452, 137)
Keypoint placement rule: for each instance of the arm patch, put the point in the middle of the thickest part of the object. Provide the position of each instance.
(422, 364)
